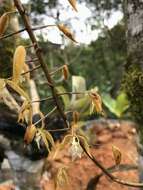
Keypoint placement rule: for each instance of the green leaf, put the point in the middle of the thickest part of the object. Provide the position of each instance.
(81, 105)
(117, 106)
(122, 103)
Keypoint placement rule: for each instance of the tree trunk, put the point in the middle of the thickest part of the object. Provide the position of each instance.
(133, 81)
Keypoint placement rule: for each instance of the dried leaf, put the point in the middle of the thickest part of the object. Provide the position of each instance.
(49, 138)
(18, 63)
(65, 71)
(38, 139)
(42, 118)
(19, 90)
(75, 117)
(117, 155)
(91, 108)
(73, 4)
(2, 84)
(61, 177)
(4, 20)
(44, 138)
(29, 134)
(23, 116)
(65, 141)
(96, 102)
(25, 113)
(66, 31)
(61, 146)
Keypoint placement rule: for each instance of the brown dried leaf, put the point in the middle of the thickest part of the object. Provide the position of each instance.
(2, 84)
(75, 117)
(30, 134)
(49, 137)
(65, 71)
(96, 102)
(24, 112)
(65, 141)
(117, 154)
(18, 63)
(43, 119)
(61, 177)
(19, 90)
(44, 138)
(73, 4)
(66, 31)
(4, 21)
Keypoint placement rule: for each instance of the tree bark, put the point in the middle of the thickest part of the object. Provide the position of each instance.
(133, 80)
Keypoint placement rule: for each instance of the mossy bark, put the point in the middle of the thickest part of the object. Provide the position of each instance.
(133, 80)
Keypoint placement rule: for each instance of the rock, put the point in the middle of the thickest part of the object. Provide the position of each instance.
(5, 164)
(104, 138)
(21, 163)
(27, 173)
(4, 142)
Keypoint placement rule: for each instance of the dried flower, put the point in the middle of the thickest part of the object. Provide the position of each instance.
(96, 102)
(75, 148)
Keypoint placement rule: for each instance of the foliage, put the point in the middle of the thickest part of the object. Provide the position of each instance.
(116, 106)
(81, 102)
(99, 63)
(7, 45)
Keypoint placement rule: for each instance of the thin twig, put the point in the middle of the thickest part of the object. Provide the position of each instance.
(107, 173)
(56, 70)
(93, 182)
(39, 54)
(31, 70)
(12, 34)
(47, 115)
(24, 29)
(58, 94)
(42, 27)
(32, 60)
(58, 130)
(35, 68)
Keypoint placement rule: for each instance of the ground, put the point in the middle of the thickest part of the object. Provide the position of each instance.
(80, 172)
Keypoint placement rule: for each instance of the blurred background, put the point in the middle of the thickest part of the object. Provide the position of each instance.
(96, 62)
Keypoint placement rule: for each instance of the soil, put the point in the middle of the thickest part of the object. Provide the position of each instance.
(82, 172)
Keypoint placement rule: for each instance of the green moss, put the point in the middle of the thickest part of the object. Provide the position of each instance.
(133, 85)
